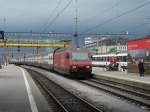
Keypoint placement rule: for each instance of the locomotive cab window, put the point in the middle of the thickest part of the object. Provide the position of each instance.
(80, 56)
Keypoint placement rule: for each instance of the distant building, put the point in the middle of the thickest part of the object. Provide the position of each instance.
(106, 44)
(91, 44)
(89, 40)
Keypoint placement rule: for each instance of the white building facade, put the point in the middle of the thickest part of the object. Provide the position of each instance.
(100, 46)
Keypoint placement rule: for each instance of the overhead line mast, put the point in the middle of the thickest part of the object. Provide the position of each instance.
(76, 24)
(149, 25)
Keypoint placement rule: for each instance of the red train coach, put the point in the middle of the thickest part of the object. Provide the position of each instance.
(72, 60)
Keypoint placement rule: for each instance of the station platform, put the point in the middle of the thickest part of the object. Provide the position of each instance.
(18, 92)
(123, 77)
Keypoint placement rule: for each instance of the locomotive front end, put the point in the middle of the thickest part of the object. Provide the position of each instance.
(81, 63)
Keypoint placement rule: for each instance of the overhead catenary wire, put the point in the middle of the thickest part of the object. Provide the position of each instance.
(57, 15)
(118, 16)
(139, 27)
(106, 10)
(136, 26)
(51, 14)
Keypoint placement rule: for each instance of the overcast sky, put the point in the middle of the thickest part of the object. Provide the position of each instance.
(27, 15)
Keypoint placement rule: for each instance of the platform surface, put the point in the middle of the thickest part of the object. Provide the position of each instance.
(134, 77)
(18, 92)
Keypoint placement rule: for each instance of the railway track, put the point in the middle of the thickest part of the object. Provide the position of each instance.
(137, 95)
(65, 100)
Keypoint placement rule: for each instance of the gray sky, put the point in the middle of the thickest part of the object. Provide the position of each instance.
(26, 15)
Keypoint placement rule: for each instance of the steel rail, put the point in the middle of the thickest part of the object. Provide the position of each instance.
(69, 101)
(121, 91)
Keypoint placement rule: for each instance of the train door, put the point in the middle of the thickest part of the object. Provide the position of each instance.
(67, 61)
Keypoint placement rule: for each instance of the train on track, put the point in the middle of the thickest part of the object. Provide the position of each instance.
(69, 61)
(105, 60)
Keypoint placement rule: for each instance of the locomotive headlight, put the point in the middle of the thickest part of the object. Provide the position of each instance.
(87, 66)
(74, 67)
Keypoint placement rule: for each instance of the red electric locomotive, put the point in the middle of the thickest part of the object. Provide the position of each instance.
(72, 60)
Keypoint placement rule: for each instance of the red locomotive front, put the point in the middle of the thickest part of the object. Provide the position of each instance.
(80, 62)
(73, 61)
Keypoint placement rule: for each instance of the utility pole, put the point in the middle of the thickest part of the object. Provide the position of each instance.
(6, 51)
(149, 25)
(97, 43)
(37, 49)
(6, 48)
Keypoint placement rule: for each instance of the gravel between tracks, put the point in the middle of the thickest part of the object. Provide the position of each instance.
(100, 99)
